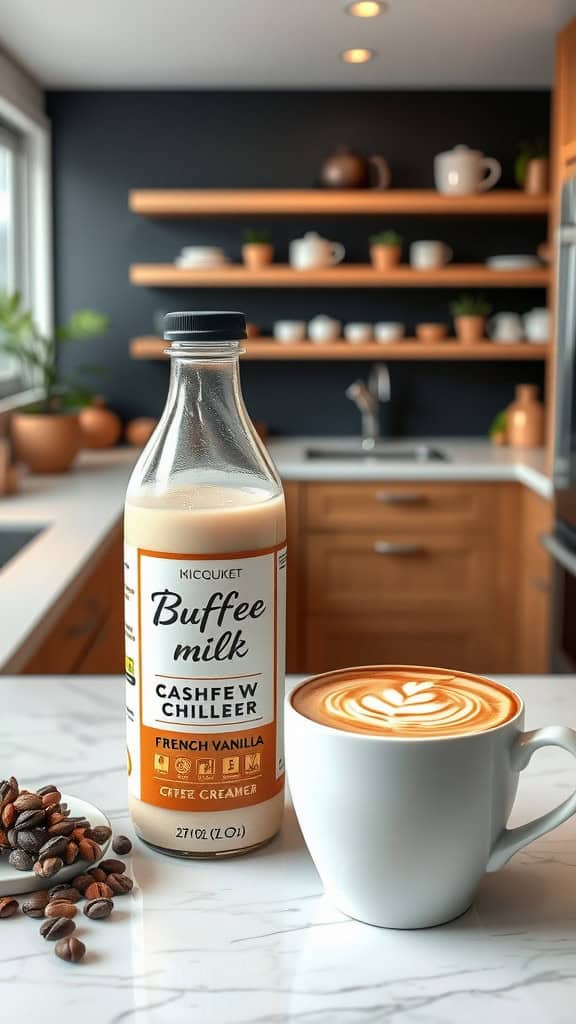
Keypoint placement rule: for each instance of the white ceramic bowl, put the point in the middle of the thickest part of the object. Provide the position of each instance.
(289, 331)
(358, 333)
(388, 331)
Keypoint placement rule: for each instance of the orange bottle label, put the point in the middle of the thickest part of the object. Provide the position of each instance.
(204, 677)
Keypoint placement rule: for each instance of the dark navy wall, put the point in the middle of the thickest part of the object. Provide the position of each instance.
(108, 142)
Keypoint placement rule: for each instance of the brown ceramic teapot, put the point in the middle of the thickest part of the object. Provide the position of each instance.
(346, 169)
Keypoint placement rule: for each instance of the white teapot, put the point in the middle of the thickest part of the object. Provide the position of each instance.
(324, 329)
(313, 252)
(462, 171)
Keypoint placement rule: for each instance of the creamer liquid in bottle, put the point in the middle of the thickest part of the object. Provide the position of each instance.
(205, 571)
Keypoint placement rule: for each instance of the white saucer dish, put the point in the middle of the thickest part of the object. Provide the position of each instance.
(13, 882)
(512, 262)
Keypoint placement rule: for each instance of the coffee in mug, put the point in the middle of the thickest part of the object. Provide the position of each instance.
(403, 779)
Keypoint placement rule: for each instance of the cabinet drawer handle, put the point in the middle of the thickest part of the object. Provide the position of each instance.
(400, 498)
(385, 547)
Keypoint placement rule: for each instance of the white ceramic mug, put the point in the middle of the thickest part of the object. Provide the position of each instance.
(290, 330)
(506, 327)
(462, 171)
(537, 324)
(403, 830)
(357, 333)
(314, 252)
(388, 330)
(322, 329)
(427, 255)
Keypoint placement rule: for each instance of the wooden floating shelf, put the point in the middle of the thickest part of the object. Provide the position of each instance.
(240, 202)
(353, 275)
(149, 347)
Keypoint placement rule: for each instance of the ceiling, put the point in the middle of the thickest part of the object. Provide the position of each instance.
(294, 44)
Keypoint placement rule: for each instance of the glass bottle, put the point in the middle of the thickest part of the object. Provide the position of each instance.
(205, 570)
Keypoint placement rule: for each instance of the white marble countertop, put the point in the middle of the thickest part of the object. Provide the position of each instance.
(80, 508)
(252, 940)
(468, 460)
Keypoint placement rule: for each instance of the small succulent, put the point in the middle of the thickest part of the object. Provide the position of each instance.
(256, 236)
(470, 305)
(386, 238)
(533, 150)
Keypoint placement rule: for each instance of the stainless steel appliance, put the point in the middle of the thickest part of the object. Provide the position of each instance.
(562, 545)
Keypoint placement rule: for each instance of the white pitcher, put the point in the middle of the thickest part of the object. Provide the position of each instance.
(462, 171)
(314, 252)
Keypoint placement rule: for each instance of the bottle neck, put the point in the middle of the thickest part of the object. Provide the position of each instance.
(206, 380)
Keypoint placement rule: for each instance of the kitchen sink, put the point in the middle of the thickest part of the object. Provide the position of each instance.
(13, 539)
(381, 451)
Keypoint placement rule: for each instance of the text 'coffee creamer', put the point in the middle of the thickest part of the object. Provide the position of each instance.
(205, 570)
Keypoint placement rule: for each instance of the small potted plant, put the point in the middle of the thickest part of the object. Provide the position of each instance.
(257, 252)
(532, 167)
(47, 434)
(470, 312)
(385, 250)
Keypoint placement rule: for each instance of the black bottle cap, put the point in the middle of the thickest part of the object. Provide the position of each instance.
(204, 326)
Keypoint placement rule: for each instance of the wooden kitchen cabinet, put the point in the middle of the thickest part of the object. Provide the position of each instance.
(86, 631)
(534, 586)
(564, 128)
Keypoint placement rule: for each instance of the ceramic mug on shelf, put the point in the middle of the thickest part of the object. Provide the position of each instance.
(358, 333)
(323, 329)
(429, 255)
(462, 171)
(537, 324)
(289, 331)
(312, 252)
(506, 327)
(387, 331)
(402, 824)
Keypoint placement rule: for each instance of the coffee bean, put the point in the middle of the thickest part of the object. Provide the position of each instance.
(99, 908)
(119, 884)
(101, 834)
(21, 860)
(29, 819)
(13, 838)
(60, 908)
(81, 882)
(71, 853)
(27, 802)
(54, 847)
(89, 850)
(65, 827)
(121, 845)
(49, 867)
(33, 905)
(51, 799)
(97, 874)
(29, 841)
(4, 841)
(70, 949)
(53, 815)
(64, 891)
(80, 822)
(56, 928)
(8, 816)
(8, 792)
(113, 867)
(98, 890)
(78, 834)
(47, 789)
(8, 906)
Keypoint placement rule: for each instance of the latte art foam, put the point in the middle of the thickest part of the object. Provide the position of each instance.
(406, 702)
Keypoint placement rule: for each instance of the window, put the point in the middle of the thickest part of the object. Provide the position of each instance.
(12, 233)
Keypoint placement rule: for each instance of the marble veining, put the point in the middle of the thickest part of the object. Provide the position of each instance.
(253, 940)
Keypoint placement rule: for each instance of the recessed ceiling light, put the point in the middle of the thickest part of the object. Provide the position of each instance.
(359, 55)
(365, 8)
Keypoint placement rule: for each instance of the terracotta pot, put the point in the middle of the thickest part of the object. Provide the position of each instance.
(431, 333)
(469, 329)
(139, 431)
(257, 255)
(46, 442)
(101, 428)
(525, 418)
(385, 257)
(536, 180)
(252, 330)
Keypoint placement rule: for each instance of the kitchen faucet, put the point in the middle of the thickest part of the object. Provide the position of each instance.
(367, 396)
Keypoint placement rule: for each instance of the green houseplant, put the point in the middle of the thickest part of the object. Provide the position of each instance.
(257, 251)
(46, 435)
(385, 249)
(469, 313)
(531, 166)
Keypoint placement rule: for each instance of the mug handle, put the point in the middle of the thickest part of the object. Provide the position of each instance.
(511, 840)
(494, 169)
(338, 252)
